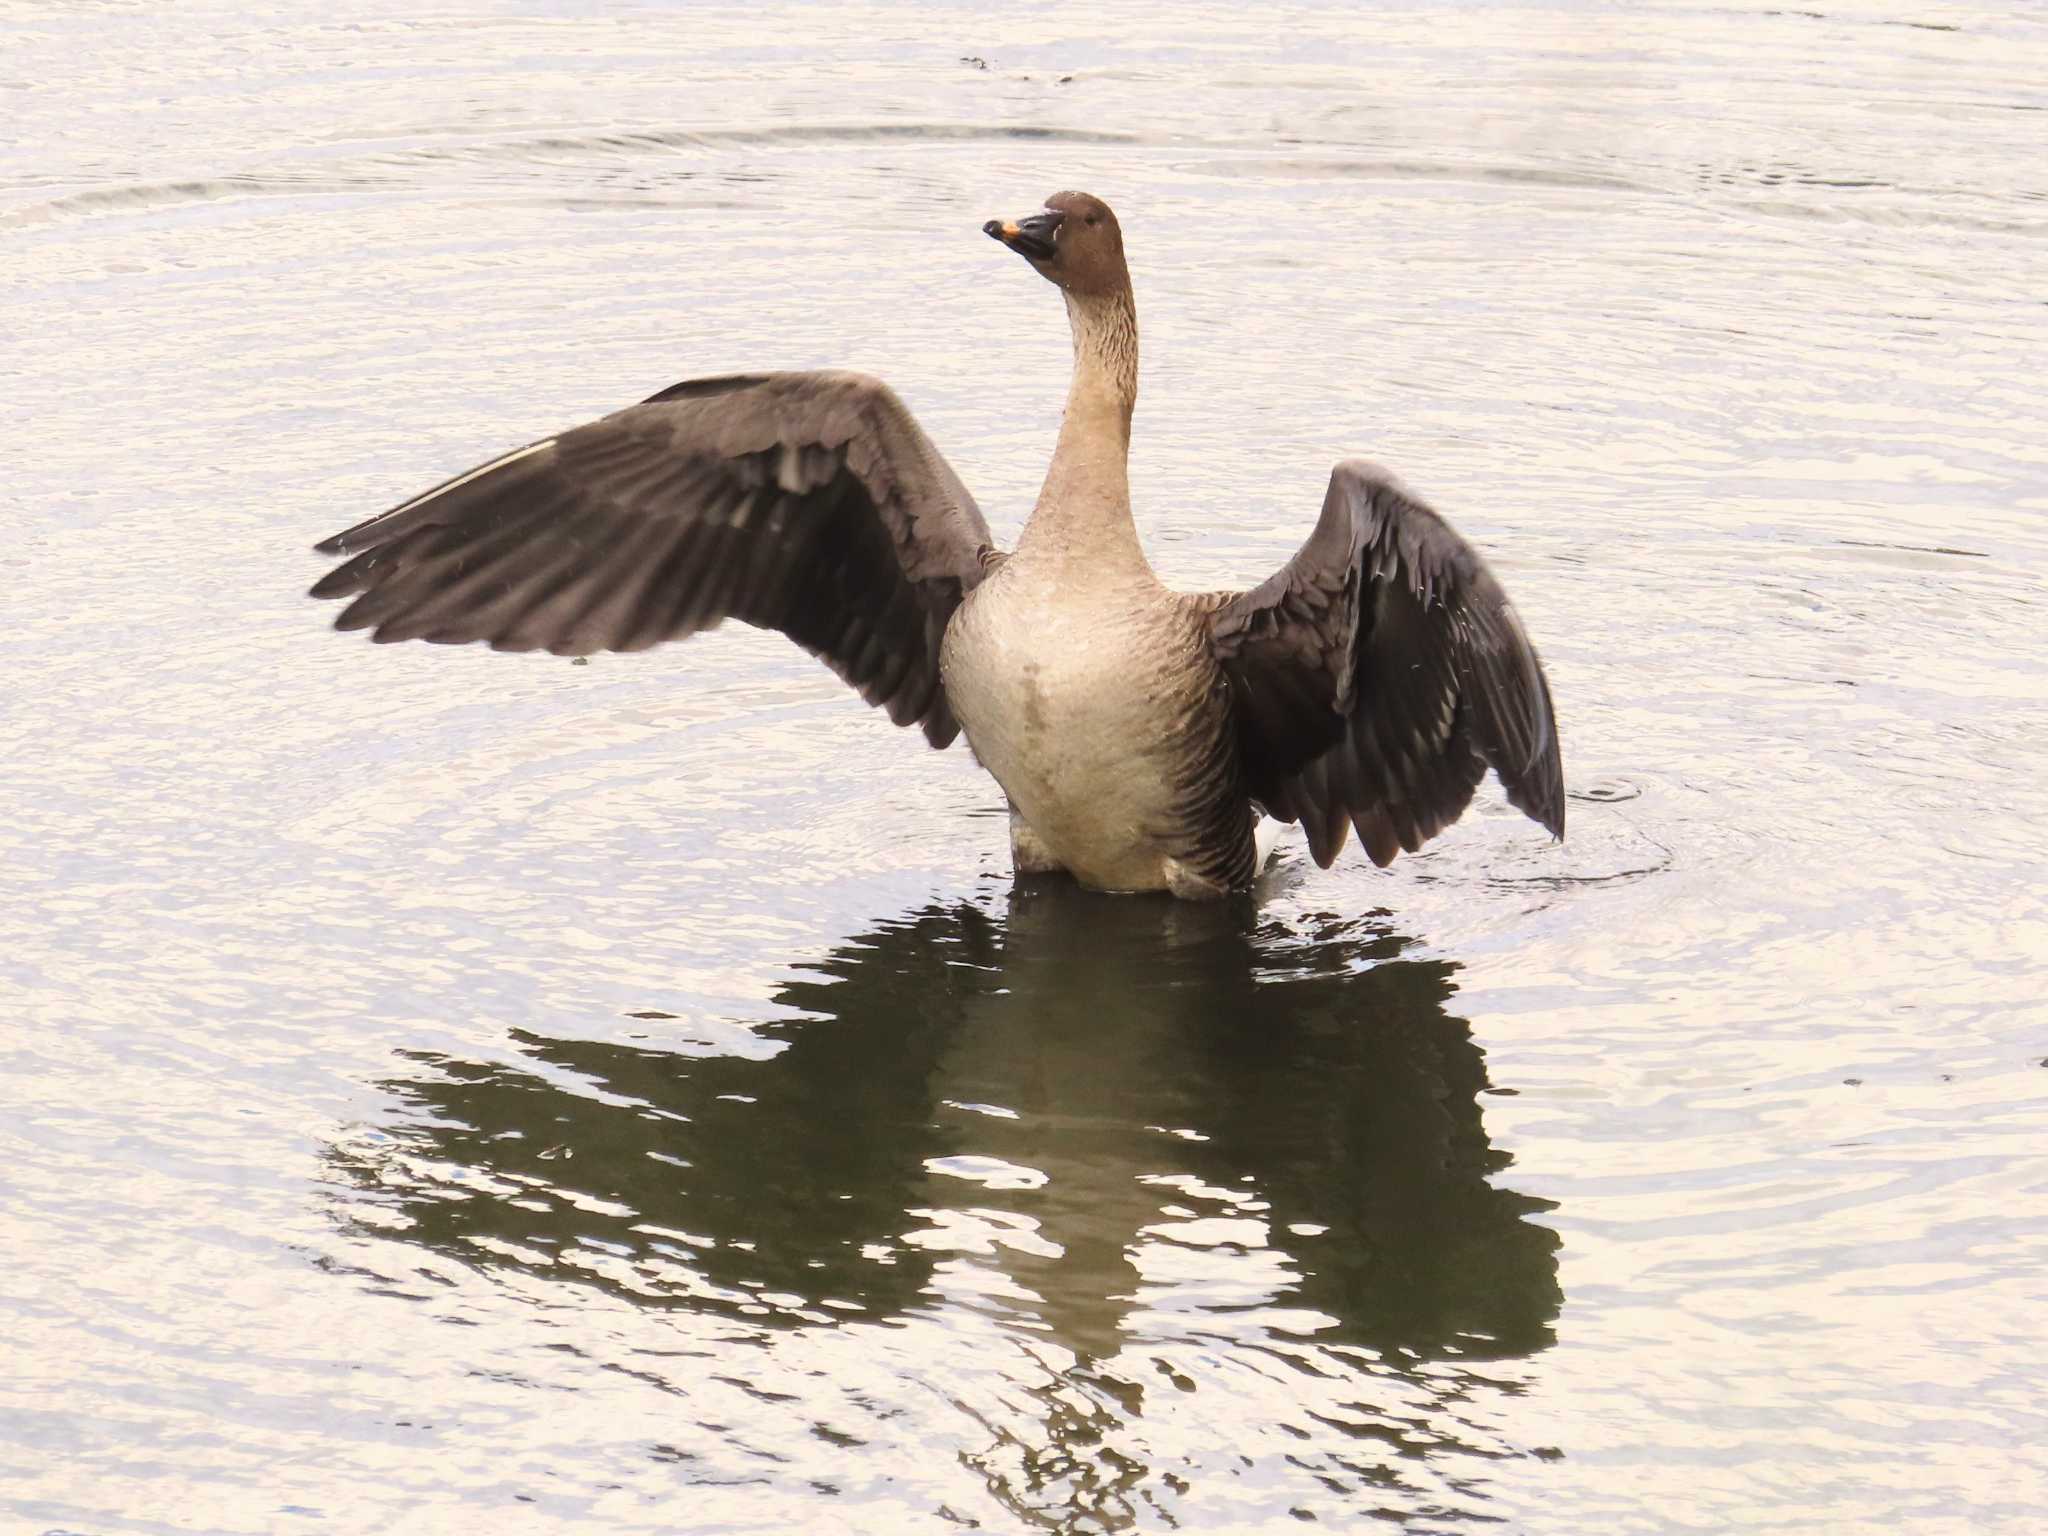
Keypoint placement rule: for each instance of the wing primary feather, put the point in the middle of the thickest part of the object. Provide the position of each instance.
(661, 606)
(344, 580)
(537, 621)
(428, 506)
(622, 586)
(386, 585)
(725, 569)
(423, 595)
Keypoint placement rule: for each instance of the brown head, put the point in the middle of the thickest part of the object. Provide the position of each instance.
(1073, 241)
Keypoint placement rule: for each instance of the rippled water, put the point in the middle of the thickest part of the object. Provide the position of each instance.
(447, 1090)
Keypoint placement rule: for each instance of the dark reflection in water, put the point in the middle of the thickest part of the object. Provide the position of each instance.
(1105, 1050)
(1152, 1122)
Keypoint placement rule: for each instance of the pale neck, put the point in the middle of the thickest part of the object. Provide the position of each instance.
(1084, 508)
(1105, 356)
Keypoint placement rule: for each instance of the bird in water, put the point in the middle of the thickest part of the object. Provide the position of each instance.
(1138, 732)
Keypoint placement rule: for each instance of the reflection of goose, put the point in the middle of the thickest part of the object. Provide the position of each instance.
(1369, 683)
(1146, 1122)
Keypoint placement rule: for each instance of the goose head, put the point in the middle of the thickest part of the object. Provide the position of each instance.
(1073, 241)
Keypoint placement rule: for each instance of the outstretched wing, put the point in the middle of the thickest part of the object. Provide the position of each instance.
(1378, 675)
(810, 503)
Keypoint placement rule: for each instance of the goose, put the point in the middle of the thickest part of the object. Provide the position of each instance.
(1138, 733)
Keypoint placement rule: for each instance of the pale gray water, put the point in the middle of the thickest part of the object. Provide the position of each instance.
(447, 1091)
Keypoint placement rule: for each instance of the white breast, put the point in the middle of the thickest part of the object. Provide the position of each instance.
(1066, 698)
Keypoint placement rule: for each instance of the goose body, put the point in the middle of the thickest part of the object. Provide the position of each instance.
(1137, 732)
(1093, 724)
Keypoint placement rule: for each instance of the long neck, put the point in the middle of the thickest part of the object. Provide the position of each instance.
(1084, 509)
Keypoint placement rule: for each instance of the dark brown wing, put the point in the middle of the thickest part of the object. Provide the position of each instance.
(1378, 675)
(809, 503)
